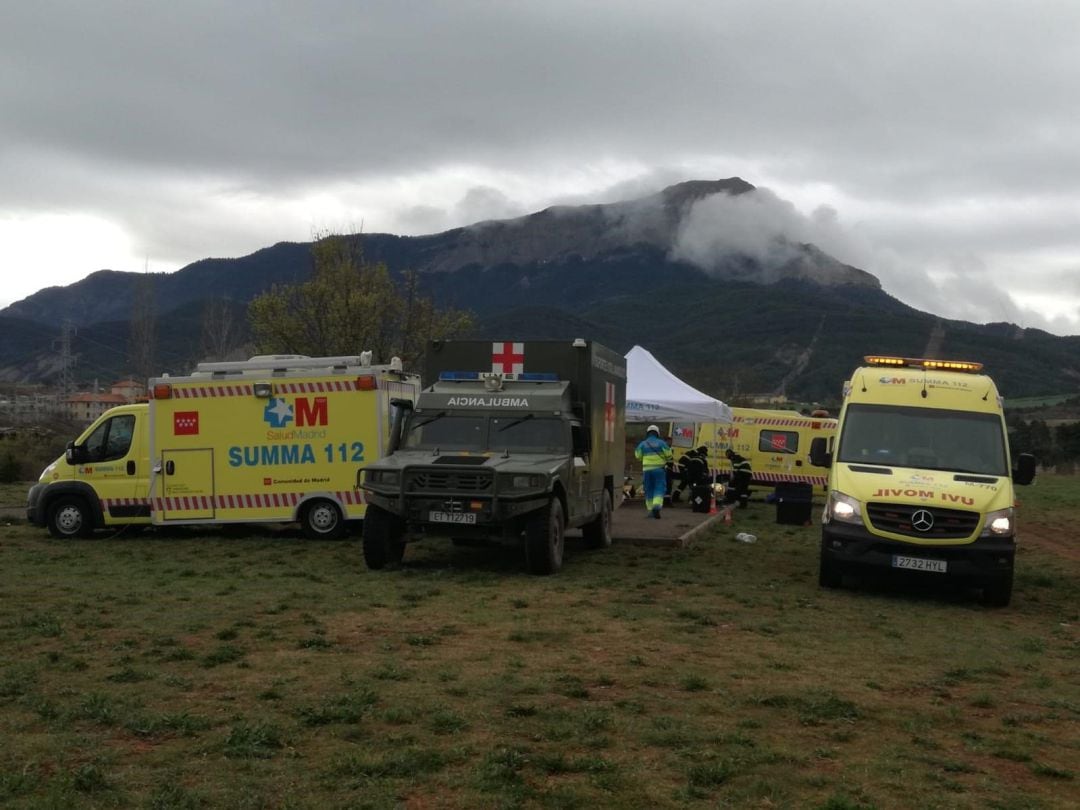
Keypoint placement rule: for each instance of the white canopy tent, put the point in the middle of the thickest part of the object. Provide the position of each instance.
(654, 394)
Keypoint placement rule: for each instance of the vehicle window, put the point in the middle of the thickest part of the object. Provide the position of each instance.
(778, 441)
(446, 432)
(111, 439)
(95, 442)
(121, 429)
(527, 433)
(924, 438)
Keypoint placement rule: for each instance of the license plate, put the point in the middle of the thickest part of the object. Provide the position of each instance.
(452, 517)
(919, 564)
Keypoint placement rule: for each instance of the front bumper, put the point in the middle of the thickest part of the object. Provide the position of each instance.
(855, 547)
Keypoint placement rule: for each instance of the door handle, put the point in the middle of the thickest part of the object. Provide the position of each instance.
(131, 468)
(170, 467)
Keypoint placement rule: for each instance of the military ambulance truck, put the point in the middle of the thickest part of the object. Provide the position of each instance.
(271, 439)
(507, 441)
(920, 478)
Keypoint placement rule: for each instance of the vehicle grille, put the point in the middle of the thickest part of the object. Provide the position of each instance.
(452, 481)
(949, 524)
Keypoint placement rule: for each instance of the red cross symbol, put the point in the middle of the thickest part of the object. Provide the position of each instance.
(609, 412)
(508, 358)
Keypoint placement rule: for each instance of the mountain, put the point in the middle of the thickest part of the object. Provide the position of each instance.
(749, 317)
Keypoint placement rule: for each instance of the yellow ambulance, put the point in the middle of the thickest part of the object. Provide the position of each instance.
(271, 439)
(920, 476)
(776, 442)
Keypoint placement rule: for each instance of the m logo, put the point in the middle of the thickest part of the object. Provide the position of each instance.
(311, 411)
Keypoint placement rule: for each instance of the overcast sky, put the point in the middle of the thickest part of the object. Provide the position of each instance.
(933, 144)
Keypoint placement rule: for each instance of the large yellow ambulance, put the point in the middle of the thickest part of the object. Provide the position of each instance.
(920, 477)
(271, 439)
(776, 442)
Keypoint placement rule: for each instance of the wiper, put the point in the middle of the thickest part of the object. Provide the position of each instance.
(427, 421)
(517, 421)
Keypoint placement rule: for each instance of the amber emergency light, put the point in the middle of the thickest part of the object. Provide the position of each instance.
(923, 363)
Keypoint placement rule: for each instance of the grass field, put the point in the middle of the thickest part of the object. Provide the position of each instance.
(256, 669)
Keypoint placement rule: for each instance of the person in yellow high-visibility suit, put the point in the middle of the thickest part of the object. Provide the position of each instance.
(654, 455)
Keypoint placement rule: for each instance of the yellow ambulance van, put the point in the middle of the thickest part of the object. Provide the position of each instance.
(920, 477)
(271, 439)
(776, 442)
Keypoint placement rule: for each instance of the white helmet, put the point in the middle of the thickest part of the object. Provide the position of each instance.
(652, 429)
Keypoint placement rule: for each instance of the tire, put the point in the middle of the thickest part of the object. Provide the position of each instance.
(829, 572)
(69, 517)
(545, 540)
(598, 533)
(322, 520)
(382, 539)
(997, 592)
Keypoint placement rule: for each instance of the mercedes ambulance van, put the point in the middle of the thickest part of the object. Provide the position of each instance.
(920, 477)
(271, 439)
(776, 442)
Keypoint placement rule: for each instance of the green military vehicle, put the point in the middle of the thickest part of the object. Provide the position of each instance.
(510, 441)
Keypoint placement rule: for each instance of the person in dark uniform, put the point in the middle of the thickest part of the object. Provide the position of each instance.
(693, 469)
(741, 475)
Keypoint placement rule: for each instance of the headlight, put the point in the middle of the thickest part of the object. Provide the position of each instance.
(842, 508)
(998, 524)
(509, 481)
(384, 477)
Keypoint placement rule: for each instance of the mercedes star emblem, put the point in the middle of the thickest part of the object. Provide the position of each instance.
(922, 520)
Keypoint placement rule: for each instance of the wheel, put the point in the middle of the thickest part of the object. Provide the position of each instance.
(322, 520)
(598, 533)
(382, 541)
(829, 573)
(69, 517)
(997, 592)
(544, 540)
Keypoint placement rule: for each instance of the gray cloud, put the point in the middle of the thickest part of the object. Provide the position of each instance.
(934, 130)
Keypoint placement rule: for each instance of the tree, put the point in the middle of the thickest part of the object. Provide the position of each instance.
(350, 305)
(220, 331)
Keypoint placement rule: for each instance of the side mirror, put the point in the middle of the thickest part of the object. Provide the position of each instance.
(1024, 472)
(400, 407)
(819, 452)
(74, 453)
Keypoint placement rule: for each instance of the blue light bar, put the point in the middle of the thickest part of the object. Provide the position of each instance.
(459, 375)
(539, 376)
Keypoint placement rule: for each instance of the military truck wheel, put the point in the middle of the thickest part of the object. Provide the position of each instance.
(829, 573)
(322, 520)
(544, 540)
(382, 541)
(997, 592)
(69, 517)
(598, 533)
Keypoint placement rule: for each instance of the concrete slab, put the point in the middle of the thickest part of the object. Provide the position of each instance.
(677, 524)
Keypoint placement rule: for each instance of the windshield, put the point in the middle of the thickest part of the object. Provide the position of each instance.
(480, 433)
(926, 438)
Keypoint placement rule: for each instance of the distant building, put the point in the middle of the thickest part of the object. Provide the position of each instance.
(132, 389)
(88, 406)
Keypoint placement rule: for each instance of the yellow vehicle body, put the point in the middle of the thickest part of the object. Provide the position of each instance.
(265, 440)
(920, 476)
(776, 442)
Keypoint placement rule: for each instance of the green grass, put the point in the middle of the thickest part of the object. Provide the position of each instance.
(259, 669)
